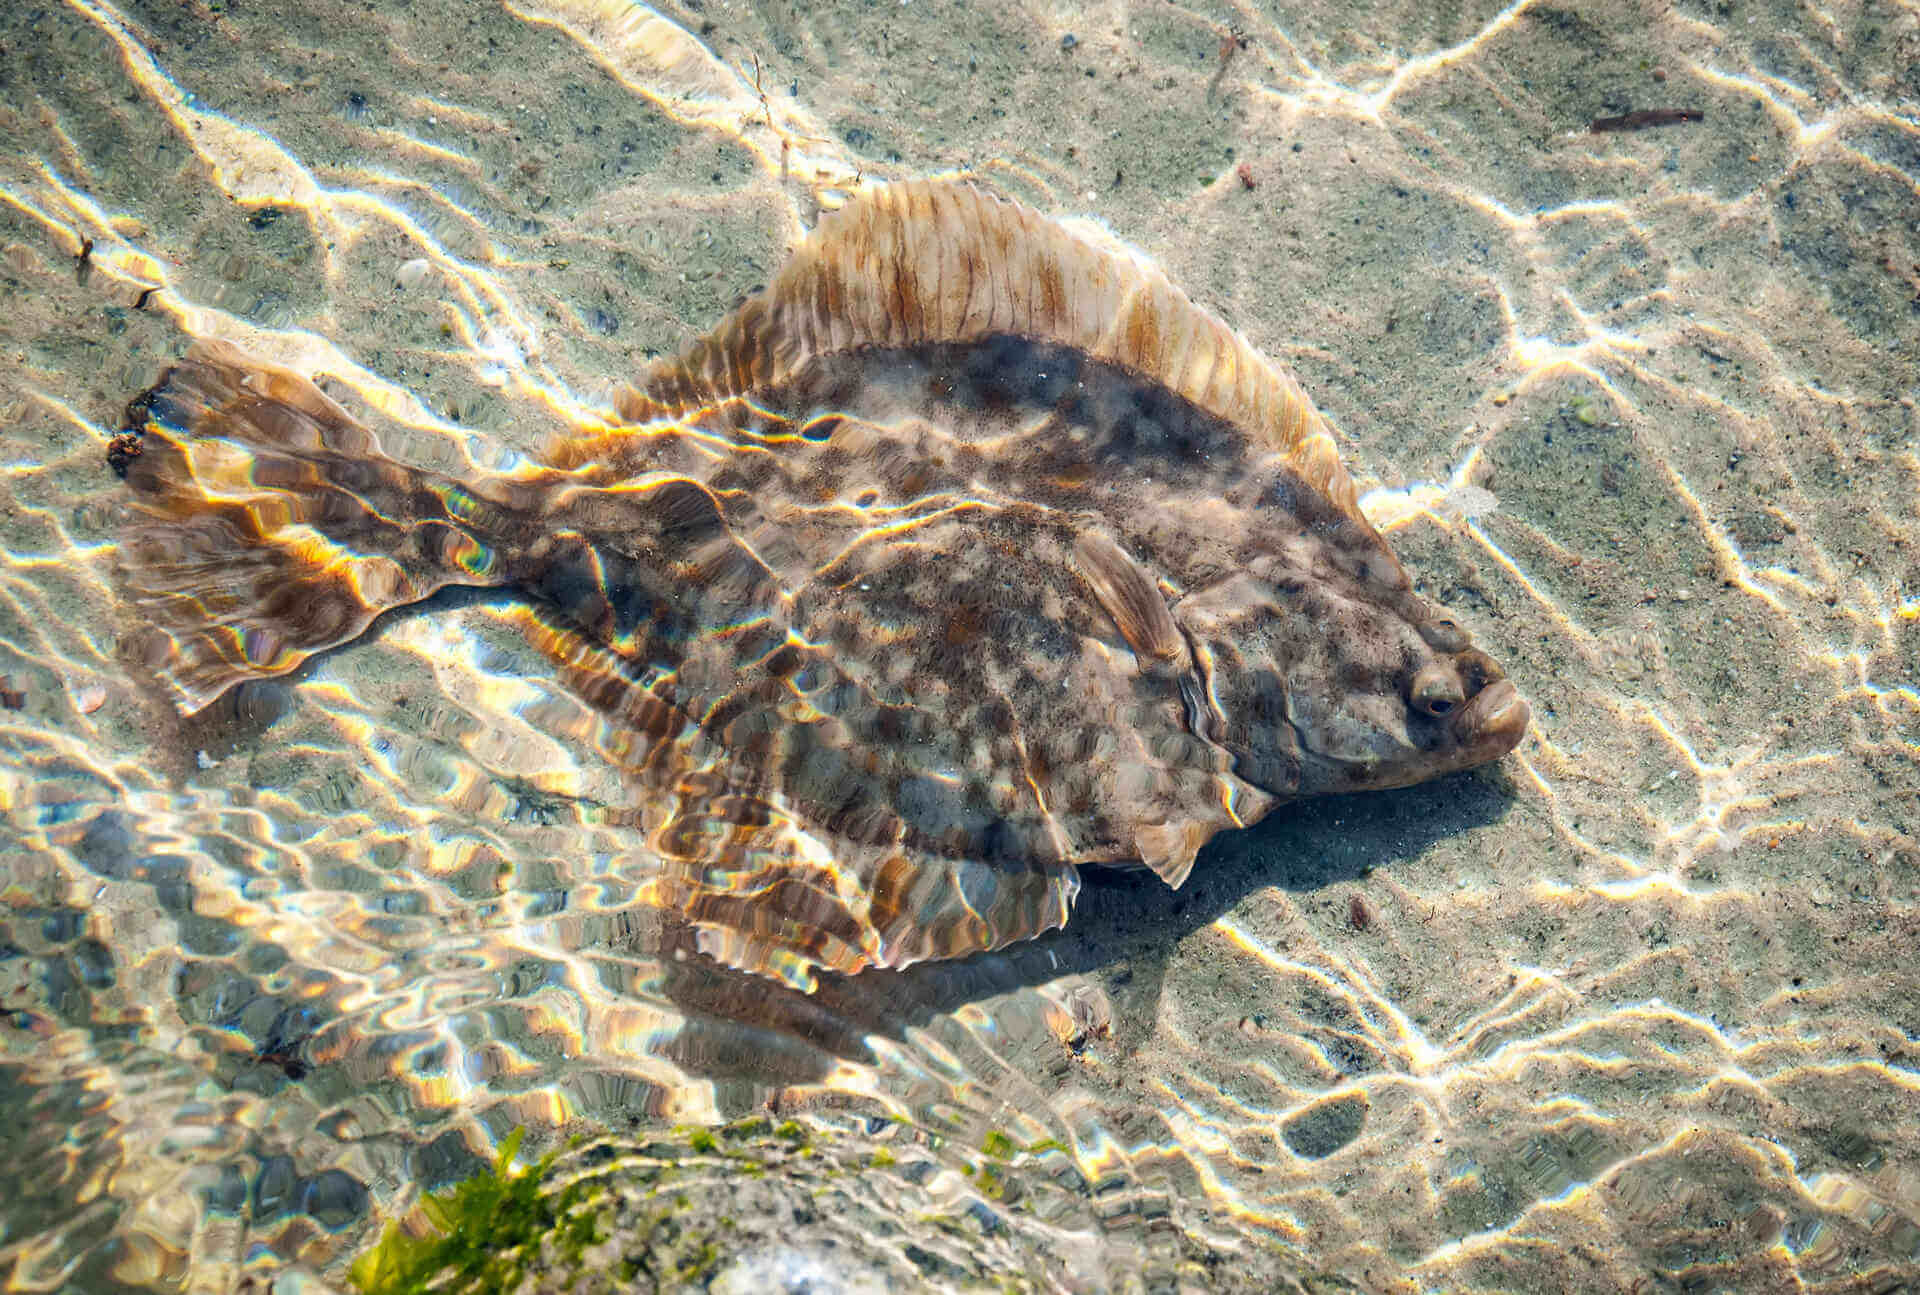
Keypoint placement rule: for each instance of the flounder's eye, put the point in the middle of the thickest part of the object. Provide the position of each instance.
(1444, 634)
(1436, 691)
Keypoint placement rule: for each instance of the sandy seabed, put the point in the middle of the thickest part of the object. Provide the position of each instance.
(1635, 1009)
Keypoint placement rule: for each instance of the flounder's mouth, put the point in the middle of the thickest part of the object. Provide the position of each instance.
(1493, 723)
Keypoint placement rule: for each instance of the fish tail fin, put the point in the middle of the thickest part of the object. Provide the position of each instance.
(267, 525)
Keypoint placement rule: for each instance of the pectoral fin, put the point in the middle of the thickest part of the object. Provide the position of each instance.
(1130, 596)
(1170, 848)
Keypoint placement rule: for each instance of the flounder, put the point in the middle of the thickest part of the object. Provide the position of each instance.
(968, 552)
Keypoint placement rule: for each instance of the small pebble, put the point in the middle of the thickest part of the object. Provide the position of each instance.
(412, 273)
(1068, 41)
(1080, 1015)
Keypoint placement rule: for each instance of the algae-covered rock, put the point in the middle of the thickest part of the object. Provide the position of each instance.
(752, 1206)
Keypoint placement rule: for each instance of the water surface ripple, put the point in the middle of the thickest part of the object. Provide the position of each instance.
(1635, 1009)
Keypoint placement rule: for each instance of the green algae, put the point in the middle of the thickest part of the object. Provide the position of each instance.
(485, 1229)
(695, 1203)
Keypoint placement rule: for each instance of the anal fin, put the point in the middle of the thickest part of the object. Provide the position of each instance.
(778, 888)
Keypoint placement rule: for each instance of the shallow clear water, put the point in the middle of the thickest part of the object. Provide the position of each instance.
(1636, 1005)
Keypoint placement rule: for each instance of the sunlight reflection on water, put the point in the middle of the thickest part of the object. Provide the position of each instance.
(1642, 1001)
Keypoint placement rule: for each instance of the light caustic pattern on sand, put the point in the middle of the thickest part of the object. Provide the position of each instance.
(1638, 407)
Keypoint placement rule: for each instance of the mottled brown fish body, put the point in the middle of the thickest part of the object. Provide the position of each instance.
(968, 552)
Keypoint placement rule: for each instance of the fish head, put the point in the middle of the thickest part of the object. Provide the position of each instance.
(1325, 673)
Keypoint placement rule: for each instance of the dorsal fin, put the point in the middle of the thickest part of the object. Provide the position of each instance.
(943, 262)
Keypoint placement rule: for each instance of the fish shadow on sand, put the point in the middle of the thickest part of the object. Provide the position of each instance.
(1124, 935)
